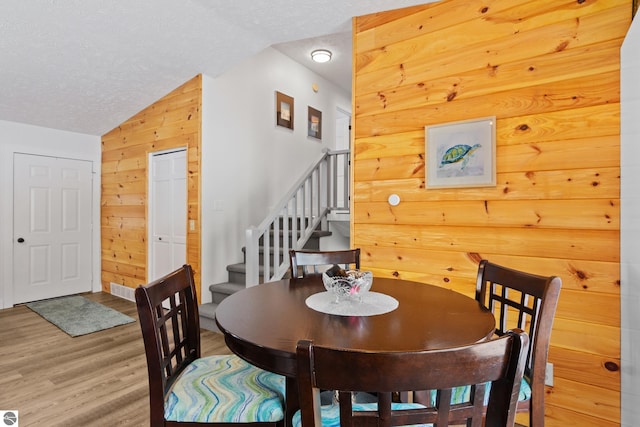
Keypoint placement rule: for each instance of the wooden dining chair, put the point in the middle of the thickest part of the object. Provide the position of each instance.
(499, 362)
(186, 389)
(304, 263)
(526, 301)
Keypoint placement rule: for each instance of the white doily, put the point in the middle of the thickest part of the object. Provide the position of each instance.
(373, 303)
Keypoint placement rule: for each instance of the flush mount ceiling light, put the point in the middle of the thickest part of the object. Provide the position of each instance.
(321, 55)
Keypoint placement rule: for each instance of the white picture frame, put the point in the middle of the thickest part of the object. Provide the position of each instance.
(461, 154)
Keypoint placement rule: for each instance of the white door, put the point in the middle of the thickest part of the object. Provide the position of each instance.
(343, 140)
(167, 212)
(343, 129)
(51, 226)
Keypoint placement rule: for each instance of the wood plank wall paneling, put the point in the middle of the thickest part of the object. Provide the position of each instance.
(171, 122)
(549, 71)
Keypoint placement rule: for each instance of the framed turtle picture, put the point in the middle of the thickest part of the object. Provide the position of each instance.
(461, 154)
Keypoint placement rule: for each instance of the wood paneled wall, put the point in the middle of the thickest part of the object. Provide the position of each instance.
(549, 71)
(173, 121)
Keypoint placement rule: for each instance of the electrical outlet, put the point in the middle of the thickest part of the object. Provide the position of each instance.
(548, 376)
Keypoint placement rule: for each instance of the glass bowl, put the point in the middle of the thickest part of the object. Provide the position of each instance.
(348, 285)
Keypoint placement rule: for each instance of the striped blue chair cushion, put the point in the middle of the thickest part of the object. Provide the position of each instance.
(525, 390)
(461, 394)
(331, 413)
(225, 389)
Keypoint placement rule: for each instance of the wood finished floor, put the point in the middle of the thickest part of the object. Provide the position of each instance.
(98, 379)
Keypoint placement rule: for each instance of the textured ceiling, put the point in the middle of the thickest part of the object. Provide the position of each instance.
(88, 65)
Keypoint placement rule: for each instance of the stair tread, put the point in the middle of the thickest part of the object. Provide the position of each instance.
(315, 234)
(227, 287)
(208, 310)
(237, 271)
(239, 267)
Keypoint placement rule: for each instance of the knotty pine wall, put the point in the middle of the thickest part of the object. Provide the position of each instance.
(549, 71)
(173, 121)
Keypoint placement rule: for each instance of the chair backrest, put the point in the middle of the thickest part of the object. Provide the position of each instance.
(315, 262)
(526, 301)
(499, 361)
(168, 313)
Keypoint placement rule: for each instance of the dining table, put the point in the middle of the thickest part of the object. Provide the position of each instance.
(263, 323)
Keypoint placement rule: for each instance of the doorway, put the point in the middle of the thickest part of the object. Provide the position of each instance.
(343, 129)
(52, 223)
(343, 142)
(167, 212)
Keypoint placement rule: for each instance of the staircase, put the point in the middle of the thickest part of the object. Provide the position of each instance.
(237, 280)
(298, 221)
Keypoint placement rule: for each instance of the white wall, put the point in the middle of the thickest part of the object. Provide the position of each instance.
(249, 163)
(21, 138)
(630, 226)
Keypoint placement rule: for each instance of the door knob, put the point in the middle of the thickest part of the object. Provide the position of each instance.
(20, 240)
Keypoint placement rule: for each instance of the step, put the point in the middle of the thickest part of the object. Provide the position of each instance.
(261, 252)
(220, 291)
(315, 233)
(237, 273)
(312, 244)
(208, 317)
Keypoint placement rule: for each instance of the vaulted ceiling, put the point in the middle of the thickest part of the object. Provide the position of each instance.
(88, 65)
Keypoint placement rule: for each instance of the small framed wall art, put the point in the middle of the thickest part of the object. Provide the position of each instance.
(461, 154)
(284, 110)
(314, 127)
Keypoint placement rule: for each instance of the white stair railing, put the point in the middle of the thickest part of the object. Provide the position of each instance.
(323, 188)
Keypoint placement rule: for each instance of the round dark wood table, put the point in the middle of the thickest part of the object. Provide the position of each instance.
(264, 323)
